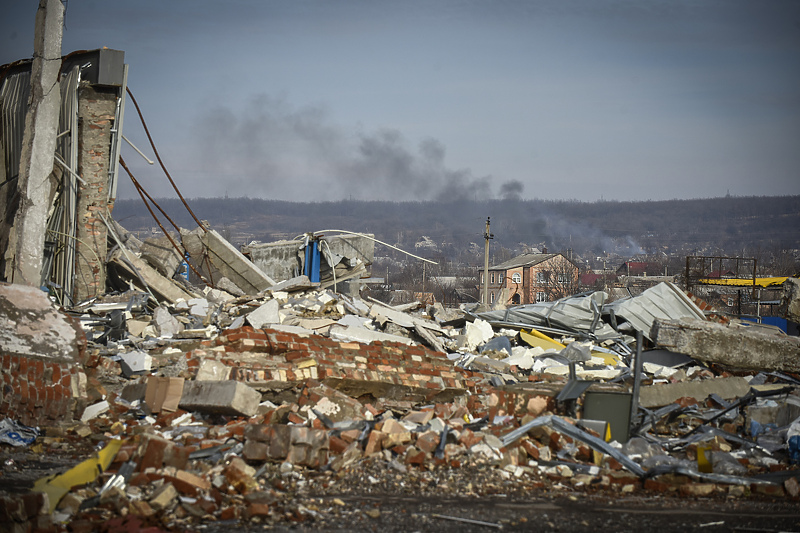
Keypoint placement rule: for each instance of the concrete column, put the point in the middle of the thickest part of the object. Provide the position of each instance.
(96, 107)
(38, 148)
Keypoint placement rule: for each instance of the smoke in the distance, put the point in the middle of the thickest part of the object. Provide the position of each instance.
(274, 150)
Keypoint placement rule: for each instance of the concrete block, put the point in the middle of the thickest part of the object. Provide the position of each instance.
(734, 346)
(163, 497)
(220, 397)
(94, 410)
(211, 370)
(660, 395)
(166, 324)
(475, 334)
(137, 361)
(265, 315)
(136, 327)
(198, 307)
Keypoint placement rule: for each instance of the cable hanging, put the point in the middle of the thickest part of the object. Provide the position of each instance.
(143, 194)
(160, 162)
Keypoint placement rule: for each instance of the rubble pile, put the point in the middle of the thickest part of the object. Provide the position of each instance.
(270, 408)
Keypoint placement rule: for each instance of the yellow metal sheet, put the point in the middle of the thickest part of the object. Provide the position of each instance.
(85, 472)
(609, 359)
(536, 338)
(745, 282)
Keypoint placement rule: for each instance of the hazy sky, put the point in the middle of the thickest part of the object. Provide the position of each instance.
(317, 100)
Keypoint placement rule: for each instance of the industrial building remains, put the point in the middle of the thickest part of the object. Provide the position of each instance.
(180, 383)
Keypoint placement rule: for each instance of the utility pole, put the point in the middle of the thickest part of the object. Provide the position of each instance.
(486, 236)
(423, 281)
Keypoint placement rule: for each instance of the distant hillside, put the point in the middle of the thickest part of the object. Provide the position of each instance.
(708, 226)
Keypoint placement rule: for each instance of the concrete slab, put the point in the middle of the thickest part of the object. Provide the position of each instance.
(404, 319)
(233, 265)
(164, 289)
(364, 335)
(160, 254)
(660, 395)
(790, 300)
(737, 347)
(297, 283)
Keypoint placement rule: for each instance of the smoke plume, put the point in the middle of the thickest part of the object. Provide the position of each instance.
(274, 150)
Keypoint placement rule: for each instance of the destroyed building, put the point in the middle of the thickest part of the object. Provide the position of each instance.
(267, 389)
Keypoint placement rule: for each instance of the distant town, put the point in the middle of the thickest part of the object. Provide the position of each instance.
(538, 251)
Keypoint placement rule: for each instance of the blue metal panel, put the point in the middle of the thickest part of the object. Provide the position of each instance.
(312, 261)
(772, 321)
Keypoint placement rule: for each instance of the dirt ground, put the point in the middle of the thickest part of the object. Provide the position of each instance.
(574, 512)
(370, 497)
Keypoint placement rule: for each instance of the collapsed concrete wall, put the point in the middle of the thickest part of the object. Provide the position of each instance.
(738, 347)
(352, 255)
(41, 351)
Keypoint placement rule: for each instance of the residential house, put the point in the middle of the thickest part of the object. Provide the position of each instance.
(640, 268)
(532, 277)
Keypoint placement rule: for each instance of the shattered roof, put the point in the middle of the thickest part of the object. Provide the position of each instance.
(580, 313)
(664, 300)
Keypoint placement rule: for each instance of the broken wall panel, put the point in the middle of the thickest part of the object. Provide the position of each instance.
(130, 268)
(735, 346)
(230, 262)
(285, 259)
(83, 169)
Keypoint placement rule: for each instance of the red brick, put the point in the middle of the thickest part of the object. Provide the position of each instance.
(428, 441)
(374, 443)
(415, 457)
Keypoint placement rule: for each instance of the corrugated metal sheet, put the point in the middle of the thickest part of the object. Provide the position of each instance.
(13, 108)
(665, 300)
(63, 221)
(579, 313)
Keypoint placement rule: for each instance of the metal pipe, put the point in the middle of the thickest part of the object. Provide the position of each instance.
(138, 151)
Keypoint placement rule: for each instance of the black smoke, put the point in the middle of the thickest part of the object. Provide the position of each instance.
(275, 150)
